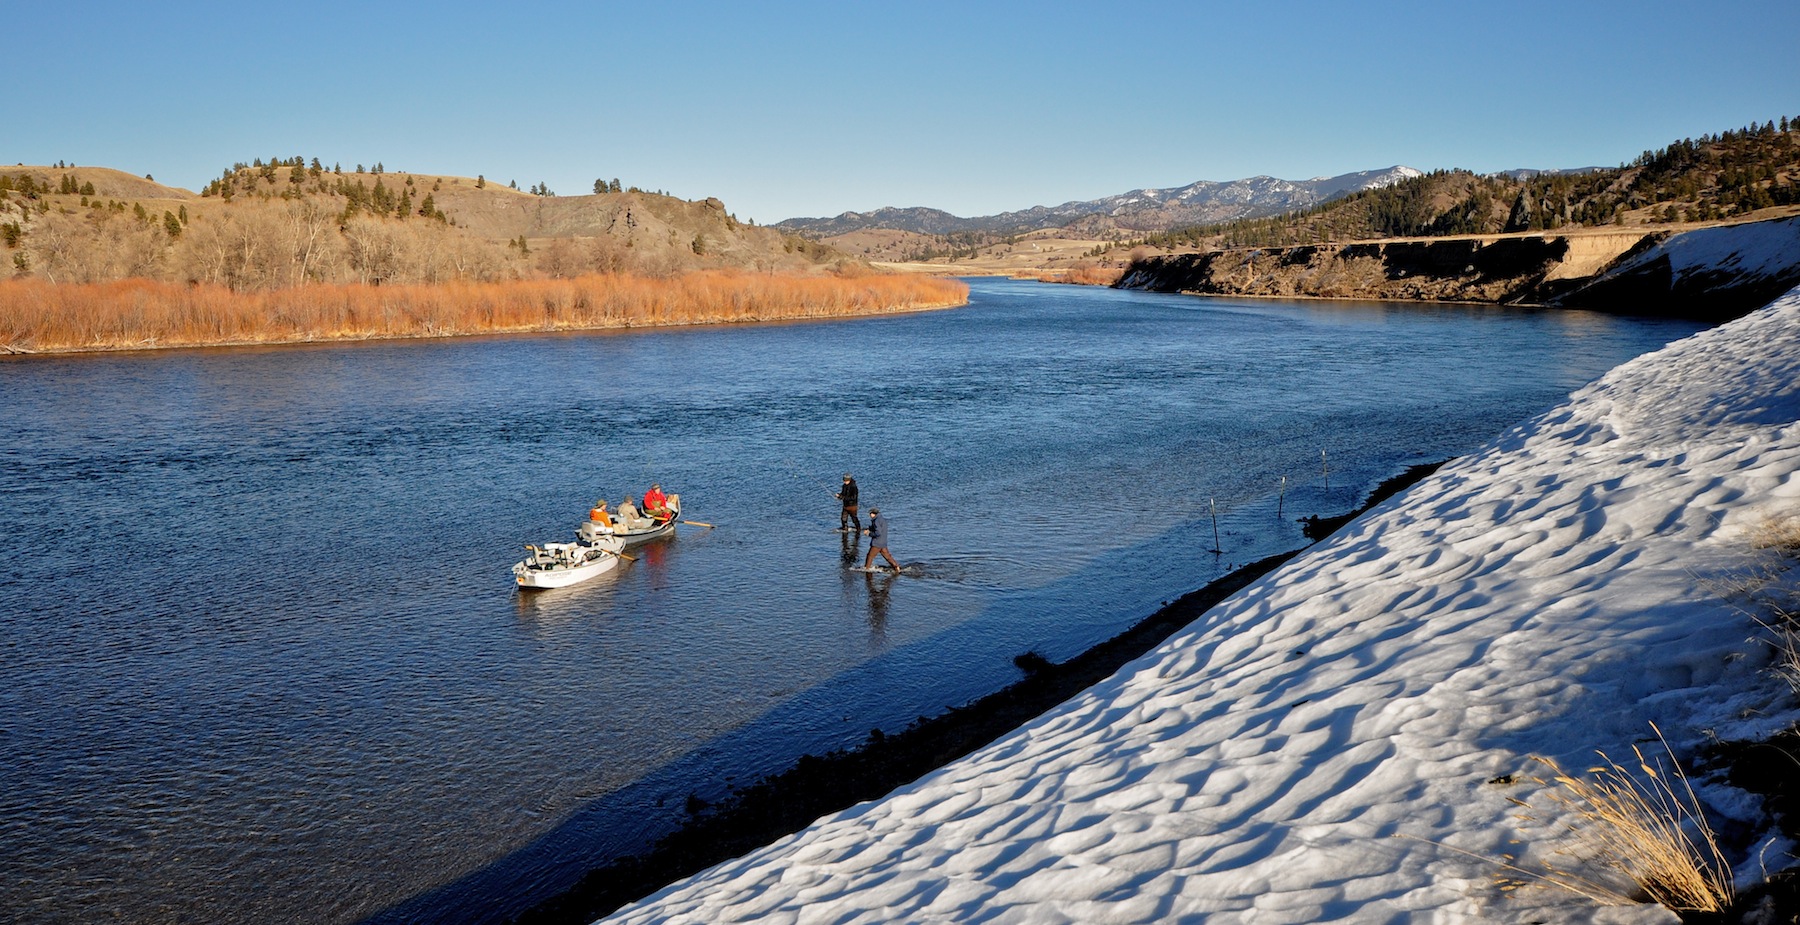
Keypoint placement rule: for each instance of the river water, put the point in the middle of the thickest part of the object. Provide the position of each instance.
(261, 657)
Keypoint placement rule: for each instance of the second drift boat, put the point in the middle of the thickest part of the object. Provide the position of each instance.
(558, 565)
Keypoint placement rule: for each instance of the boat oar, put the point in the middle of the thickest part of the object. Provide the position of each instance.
(697, 523)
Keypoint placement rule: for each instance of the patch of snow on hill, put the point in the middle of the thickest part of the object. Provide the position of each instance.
(1761, 249)
(1545, 595)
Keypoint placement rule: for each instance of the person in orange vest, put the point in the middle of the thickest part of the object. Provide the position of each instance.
(598, 514)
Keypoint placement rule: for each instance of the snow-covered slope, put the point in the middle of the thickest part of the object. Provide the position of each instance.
(1730, 268)
(1545, 595)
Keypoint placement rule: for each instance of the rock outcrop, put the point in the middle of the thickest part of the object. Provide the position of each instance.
(1716, 273)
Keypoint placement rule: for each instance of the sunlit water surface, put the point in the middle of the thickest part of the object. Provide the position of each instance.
(261, 658)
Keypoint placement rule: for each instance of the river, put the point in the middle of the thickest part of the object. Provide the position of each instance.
(261, 657)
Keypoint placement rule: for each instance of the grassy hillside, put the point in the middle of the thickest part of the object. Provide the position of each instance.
(289, 222)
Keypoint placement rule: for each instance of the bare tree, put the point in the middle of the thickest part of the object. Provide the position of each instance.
(370, 247)
(93, 246)
(311, 234)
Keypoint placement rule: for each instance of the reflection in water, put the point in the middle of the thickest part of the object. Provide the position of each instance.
(653, 558)
(878, 588)
(373, 711)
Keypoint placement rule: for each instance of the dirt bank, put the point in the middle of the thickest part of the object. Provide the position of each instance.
(1712, 273)
(1522, 269)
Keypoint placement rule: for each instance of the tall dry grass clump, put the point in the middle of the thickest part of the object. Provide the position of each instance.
(1779, 534)
(1643, 825)
(36, 315)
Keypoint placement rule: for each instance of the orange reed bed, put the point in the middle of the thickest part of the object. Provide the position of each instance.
(1082, 276)
(37, 316)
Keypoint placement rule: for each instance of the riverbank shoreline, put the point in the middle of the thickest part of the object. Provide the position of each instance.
(58, 319)
(9, 350)
(816, 786)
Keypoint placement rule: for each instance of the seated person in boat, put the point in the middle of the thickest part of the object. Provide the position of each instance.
(656, 504)
(629, 518)
(599, 516)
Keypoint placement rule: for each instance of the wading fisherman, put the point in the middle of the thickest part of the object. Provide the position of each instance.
(878, 541)
(847, 516)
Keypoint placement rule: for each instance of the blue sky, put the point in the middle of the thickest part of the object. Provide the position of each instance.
(788, 109)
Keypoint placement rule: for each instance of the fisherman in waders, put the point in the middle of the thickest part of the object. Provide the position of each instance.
(878, 541)
(847, 516)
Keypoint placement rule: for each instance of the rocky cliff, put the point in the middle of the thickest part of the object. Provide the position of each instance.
(1716, 272)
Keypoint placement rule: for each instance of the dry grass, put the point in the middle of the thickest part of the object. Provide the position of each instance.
(1777, 536)
(129, 314)
(1644, 829)
(1762, 588)
(1777, 533)
(1784, 625)
(1079, 275)
(1645, 825)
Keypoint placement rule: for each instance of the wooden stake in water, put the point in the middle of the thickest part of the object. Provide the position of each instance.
(1325, 468)
(1215, 519)
(1281, 501)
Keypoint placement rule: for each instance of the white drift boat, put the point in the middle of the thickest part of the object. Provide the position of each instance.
(558, 565)
(598, 546)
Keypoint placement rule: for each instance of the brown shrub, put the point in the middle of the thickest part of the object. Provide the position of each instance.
(36, 315)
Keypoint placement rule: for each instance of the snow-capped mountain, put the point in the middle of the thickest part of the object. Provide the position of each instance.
(1138, 210)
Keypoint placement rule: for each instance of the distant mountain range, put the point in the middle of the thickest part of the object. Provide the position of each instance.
(1197, 203)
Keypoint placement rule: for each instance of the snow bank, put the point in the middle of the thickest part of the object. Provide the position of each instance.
(1545, 595)
(1761, 250)
(1718, 272)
